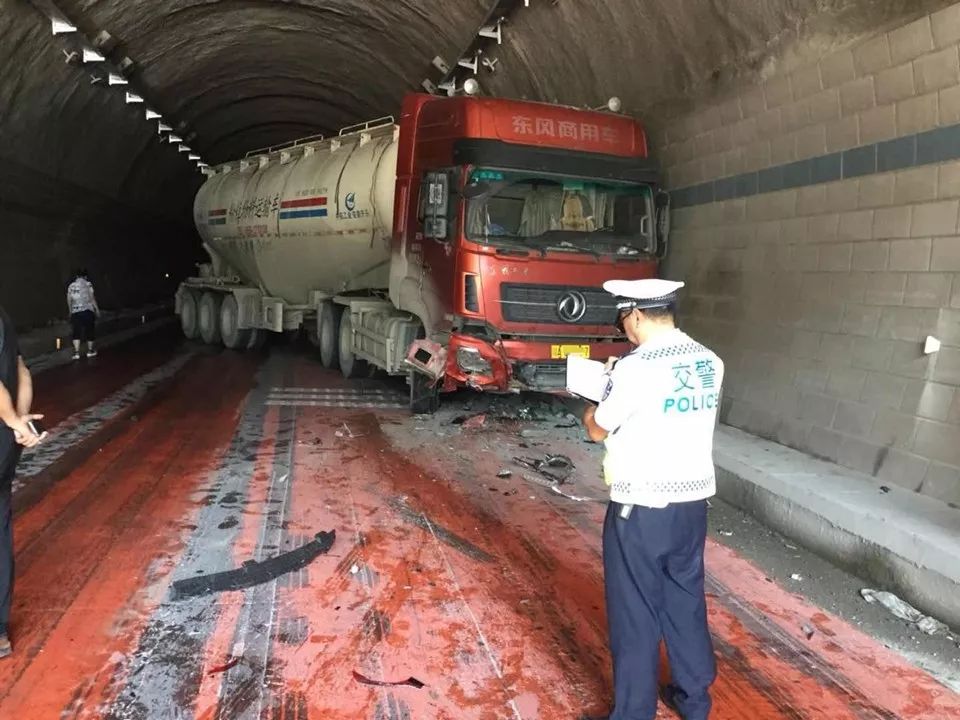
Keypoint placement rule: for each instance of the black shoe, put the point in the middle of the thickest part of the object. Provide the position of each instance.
(668, 696)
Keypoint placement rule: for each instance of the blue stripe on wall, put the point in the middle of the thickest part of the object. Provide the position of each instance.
(925, 148)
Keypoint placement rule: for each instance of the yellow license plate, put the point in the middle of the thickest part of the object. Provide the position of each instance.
(562, 352)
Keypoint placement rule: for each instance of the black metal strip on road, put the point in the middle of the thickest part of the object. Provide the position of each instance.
(254, 573)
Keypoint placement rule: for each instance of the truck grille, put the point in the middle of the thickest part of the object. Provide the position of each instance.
(542, 304)
(542, 376)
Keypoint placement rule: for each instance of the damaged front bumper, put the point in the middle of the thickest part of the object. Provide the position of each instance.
(514, 365)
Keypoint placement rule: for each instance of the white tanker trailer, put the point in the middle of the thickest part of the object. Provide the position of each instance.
(365, 240)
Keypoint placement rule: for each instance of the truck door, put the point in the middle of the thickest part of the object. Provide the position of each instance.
(437, 224)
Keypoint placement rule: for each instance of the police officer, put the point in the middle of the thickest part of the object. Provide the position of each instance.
(657, 419)
(16, 396)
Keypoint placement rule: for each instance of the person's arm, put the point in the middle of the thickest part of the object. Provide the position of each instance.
(96, 306)
(24, 388)
(14, 421)
(594, 431)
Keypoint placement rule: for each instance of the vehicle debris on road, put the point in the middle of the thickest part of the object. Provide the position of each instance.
(904, 611)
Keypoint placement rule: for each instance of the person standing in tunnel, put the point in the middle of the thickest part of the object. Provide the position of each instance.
(84, 311)
(16, 397)
(657, 420)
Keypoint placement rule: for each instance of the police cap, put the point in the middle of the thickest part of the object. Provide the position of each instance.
(643, 294)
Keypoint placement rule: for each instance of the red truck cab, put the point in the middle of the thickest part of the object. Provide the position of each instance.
(509, 216)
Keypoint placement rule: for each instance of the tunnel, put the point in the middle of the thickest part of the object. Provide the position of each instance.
(278, 496)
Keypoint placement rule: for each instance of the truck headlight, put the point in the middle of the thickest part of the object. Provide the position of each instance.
(470, 361)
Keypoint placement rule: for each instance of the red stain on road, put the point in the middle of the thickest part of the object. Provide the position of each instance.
(440, 597)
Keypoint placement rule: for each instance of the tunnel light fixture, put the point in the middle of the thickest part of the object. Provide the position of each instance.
(472, 64)
(162, 128)
(173, 139)
(449, 87)
(494, 32)
(429, 86)
(114, 79)
(152, 114)
(440, 64)
(126, 65)
(184, 149)
(193, 156)
(92, 56)
(133, 99)
(61, 27)
(471, 87)
(202, 165)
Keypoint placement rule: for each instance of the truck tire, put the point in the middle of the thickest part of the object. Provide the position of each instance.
(329, 340)
(189, 315)
(233, 337)
(424, 394)
(209, 316)
(350, 365)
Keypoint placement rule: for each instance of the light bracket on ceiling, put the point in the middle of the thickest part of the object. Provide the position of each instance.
(133, 99)
(92, 56)
(163, 128)
(61, 27)
(494, 32)
(173, 139)
(151, 114)
(472, 64)
(114, 79)
(184, 148)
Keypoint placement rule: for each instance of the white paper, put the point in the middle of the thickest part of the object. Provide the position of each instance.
(586, 378)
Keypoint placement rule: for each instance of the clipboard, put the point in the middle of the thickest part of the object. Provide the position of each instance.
(587, 379)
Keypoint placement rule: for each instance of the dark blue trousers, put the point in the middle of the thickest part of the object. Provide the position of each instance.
(8, 464)
(653, 571)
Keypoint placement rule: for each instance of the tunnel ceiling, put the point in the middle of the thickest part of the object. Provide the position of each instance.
(234, 75)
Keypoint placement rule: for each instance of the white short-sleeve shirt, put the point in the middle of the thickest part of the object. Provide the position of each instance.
(80, 295)
(660, 410)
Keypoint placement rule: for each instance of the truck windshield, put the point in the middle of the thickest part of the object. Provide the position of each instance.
(559, 213)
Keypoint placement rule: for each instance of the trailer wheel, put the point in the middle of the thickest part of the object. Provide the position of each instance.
(210, 317)
(329, 341)
(350, 365)
(189, 312)
(424, 394)
(233, 337)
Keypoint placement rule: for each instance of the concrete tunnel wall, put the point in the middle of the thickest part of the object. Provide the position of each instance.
(817, 227)
(818, 295)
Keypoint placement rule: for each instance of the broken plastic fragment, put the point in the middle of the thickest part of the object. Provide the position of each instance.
(904, 611)
(364, 680)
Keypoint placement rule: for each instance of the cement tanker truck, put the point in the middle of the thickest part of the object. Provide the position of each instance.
(465, 245)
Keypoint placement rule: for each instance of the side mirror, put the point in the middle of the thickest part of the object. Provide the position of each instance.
(435, 222)
(662, 209)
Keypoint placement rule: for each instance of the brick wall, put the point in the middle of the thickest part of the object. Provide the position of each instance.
(817, 224)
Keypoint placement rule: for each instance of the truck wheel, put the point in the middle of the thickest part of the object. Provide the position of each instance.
(350, 365)
(424, 394)
(210, 317)
(330, 315)
(189, 312)
(233, 337)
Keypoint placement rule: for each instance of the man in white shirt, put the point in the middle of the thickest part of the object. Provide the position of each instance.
(83, 313)
(657, 420)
